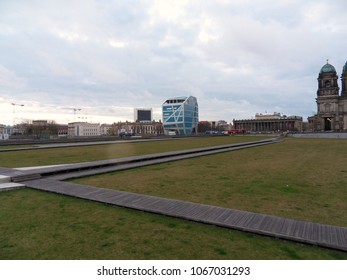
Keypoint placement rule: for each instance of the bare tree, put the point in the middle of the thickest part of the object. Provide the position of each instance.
(40, 129)
(204, 126)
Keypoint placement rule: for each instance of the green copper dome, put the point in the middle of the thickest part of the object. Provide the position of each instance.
(328, 68)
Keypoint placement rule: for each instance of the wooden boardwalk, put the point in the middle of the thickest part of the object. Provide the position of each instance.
(76, 170)
(328, 236)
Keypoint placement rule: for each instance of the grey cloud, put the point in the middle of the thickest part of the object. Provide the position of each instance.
(242, 57)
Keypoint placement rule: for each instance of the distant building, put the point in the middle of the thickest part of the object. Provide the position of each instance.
(152, 128)
(6, 131)
(213, 127)
(3, 132)
(106, 129)
(83, 129)
(40, 123)
(180, 115)
(136, 128)
(331, 107)
(143, 115)
(268, 116)
(63, 130)
(220, 125)
(269, 123)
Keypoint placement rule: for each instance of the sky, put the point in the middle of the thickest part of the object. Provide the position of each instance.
(104, 57)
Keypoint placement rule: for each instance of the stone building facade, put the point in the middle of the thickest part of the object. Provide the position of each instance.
(138, 128)
(270, 123)
(331, 105)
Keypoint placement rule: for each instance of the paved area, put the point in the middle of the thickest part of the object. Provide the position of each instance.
(40, 167)
(6, 184)
(11, 186)
(80, 144)
(4, 179)
(324, 135)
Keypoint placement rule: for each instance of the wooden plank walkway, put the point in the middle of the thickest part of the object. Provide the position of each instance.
(328, 236)
(64, 172)
(39, 145)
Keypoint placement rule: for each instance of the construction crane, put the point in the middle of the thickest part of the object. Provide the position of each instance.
(74, 111)
(14, 111)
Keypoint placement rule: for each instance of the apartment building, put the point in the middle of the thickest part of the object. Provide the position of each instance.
(83, 129)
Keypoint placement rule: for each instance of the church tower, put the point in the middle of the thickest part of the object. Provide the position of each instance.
(327, 99)
(327, 81)
(344, 81)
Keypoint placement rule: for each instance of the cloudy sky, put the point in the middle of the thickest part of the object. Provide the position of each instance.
(238, 57)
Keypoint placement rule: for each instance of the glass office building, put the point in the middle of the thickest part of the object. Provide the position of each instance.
(180, 115)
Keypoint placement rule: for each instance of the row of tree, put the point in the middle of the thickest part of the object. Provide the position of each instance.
(43, 129)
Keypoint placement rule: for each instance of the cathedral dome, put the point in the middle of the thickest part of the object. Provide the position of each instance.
(328, 68)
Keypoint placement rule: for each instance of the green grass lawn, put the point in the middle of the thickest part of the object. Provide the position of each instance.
(99, 152)
(39, 225)
(299, 178)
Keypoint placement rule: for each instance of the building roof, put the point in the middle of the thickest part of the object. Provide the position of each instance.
(180, 99)
(327, 68)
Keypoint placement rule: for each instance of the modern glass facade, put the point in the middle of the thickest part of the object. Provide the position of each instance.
(180, 115)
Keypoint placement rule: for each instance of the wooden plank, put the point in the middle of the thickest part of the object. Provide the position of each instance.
(341, 236)
(288, 227)
(221, 214)
(239, 218)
